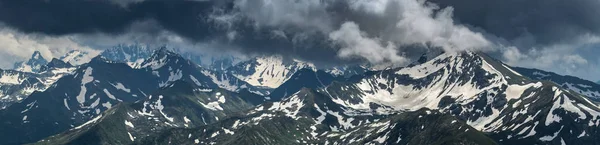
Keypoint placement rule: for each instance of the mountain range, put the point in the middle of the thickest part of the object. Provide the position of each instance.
(132, 94)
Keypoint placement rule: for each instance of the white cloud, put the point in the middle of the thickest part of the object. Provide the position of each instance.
(307, 14)
(19, 47)
(512, 54)
(356, 44)
(566, 59)
(391, 24)
(418, 22)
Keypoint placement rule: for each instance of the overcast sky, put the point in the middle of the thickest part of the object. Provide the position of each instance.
(554, 35)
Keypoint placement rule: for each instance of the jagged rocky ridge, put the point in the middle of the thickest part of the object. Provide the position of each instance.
(581, 86)
(72, 100)
(483, 92)
(35, 64)
(97, 86)
(178, 105)
(16, 85)
(478, 90)
(311, 117)
(269, 71)
(169, 66)
(469, 88)
(79, 57)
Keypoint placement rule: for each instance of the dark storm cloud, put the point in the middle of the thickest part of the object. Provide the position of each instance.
(546, 21)
(300, 29)
(59, 17)
(303, 28)
(189, 19)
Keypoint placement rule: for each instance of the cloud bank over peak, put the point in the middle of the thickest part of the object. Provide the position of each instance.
(377, 31)
(381, 32)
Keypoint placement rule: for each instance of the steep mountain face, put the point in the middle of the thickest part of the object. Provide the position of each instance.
(133, 54)
(416, 127)
(268, 71)
(178, 105)
(453, 98)
(347, 71)
(16, 85)
(581, 86)
(73, 100)
(311, 117)
(485, 93)
(101, 84)
(169, 67)
(479, 91)
(221, 63)
(57, 63)
(78, 57)
(303, 78)
(299, 118)
(215, 62)
(33, 65)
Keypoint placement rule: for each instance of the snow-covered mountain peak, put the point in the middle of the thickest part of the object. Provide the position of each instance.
(581, 86)
(169, 66)
(33, 75)
(133, 54)
(57, 63)
(267, 71)
(79, 57)
(485, 93)
(347, 70)
(35, 64)
(36, 55)
(162, 56)
(462, 76)
(100, 60)
(463, 63)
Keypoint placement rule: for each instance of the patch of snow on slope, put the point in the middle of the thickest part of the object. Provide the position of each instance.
(222, 81)
(129, 124)
(109, 94)
(271, 71)
(89, 122)
(121, 87)
(87, 78)
(290, 107)
(511, 70)
(160, 108)
(215, 105)
(131, 136)
(7, 78)
(173, 76)
(425, 69)
(588, 93)
(514, 91)
(66, 104)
